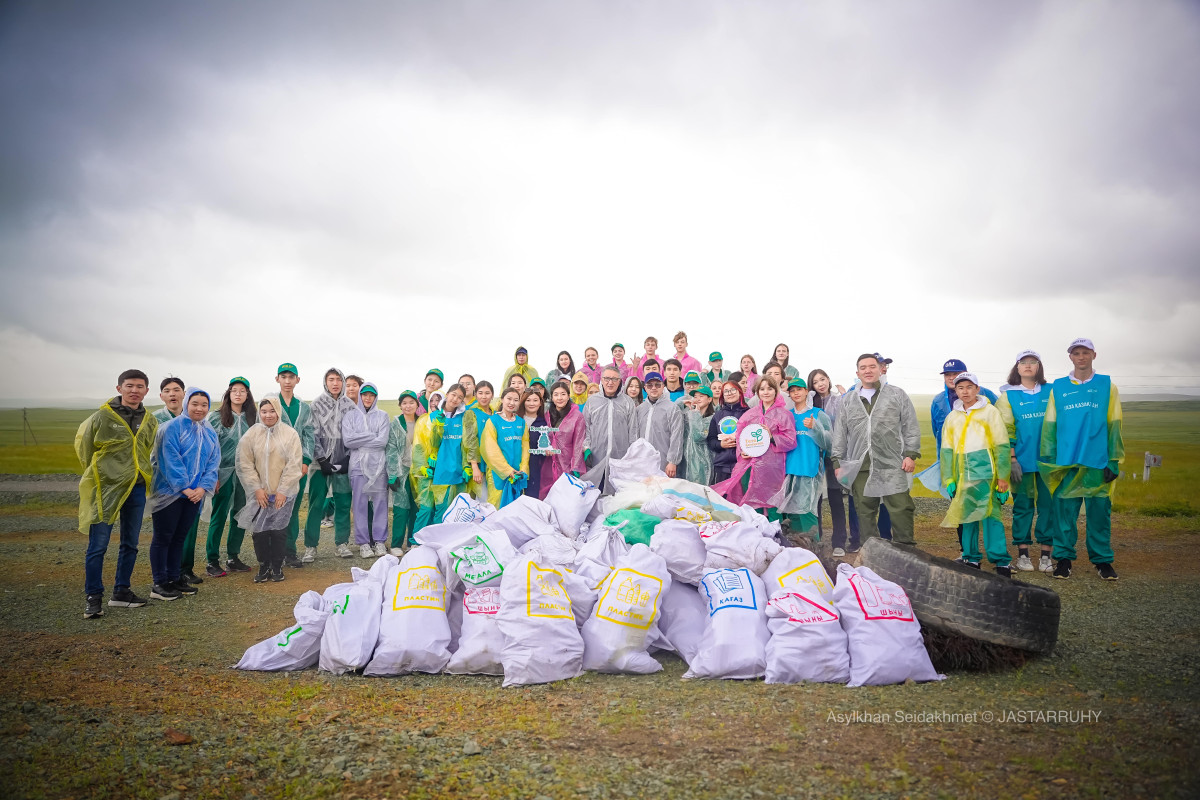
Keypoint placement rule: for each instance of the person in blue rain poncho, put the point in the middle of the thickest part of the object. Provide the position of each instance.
(187, 459)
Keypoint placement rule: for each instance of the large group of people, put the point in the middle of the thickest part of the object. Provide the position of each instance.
(774, 440)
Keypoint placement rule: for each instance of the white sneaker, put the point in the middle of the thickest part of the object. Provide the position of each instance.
(1024, 564)
(839, 552)
(365, 551)
(327, 522)
(310, 555)
(397, 552)
(344, 551)
(380, 550)
(1046, 565)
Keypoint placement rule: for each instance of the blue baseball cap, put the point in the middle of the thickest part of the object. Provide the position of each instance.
(954, 365)
(653, 376)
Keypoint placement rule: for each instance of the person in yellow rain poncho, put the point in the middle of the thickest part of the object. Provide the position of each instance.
(114, 446)
(521, 366)
(579, 389)
(1081, 454)
(975, 470)
(442, 456)
(505, 449)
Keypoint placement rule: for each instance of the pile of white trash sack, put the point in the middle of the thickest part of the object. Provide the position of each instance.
(542, 591)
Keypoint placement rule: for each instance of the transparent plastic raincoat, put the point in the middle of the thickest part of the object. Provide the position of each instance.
(766, 471)
(365, 433)
(399, 457)
(805, 483)
(569, 442)
(269, 458)
(974, 457)
(326, 417)
(610, 427)
(113, 459)
(697, 460)
(187, 455)
(229, 438)
(302, 425)
(888, 434)
(661, 424)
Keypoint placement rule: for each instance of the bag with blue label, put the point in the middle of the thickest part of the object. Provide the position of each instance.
(735, 635)
(295, 647)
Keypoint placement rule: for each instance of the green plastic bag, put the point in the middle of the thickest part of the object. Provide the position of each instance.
(638, 528)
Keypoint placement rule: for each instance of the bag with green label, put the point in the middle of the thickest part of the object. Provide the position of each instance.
(295, 647)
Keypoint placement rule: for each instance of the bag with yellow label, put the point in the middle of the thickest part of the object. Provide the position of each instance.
(617, 634)
(414, 634)
(795, 566)
(537, 617)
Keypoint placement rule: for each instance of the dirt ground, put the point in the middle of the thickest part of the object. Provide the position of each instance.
(143, 703)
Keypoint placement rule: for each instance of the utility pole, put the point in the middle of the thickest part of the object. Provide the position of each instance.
(26, 427)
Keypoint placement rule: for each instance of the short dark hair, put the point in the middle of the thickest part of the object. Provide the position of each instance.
(132, 375)
(483, 385)
(168, 381)
(466, 375)
(736, 377)
(871, 356)
(456, 387)
(511, 390)
(674, 361)
(359, 380)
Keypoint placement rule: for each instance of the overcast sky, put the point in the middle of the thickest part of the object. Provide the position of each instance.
(207, 189)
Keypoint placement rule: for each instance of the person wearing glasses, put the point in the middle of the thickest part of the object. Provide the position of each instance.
(610, 425)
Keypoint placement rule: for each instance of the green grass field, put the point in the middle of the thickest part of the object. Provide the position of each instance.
(1170, 429)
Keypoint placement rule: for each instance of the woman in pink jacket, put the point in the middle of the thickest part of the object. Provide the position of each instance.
(561, 413)
(756, 479)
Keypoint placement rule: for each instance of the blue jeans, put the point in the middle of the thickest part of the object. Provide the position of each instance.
(98, 537)
(171, 525)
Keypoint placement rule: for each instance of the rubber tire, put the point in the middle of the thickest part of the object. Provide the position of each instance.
(962, 600)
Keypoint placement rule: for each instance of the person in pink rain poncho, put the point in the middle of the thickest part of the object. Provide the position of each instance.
(756, 479)
(563, 414)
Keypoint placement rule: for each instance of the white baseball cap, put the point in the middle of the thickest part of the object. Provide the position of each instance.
(1033, 353)
(1081, 343)
(967, 376)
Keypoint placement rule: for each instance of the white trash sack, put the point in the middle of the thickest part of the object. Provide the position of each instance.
(537, 619)
(682, 621)
(525, 518)
(480, 642)
(680, 545)
(414, 633)
(735, 634)
(807, 641)
(640, 462)
(446, 535)
(295, 647)
(739, 545)
(480, 559)
(464, 508)
(572, 500)
(884, 635)
(551, 548)
(630, 598)
(353, 625)
(795, 566)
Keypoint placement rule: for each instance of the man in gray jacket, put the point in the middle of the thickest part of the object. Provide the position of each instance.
(660, 422)
(611, 428)
(876, 443)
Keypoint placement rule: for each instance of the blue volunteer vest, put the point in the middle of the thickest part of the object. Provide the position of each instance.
(449, 469)
(805, 459)
(509, 436)
(1029, 410)
(1081, 413)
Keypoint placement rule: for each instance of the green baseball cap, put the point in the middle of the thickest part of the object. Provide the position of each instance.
(241, 380)
(715, 356)
(797, 383)
(369, 389)
(435, 371)
(692, 377)
(407, 393)
(538, 381)
(287, 367)
(704, 390)
(615, 346)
